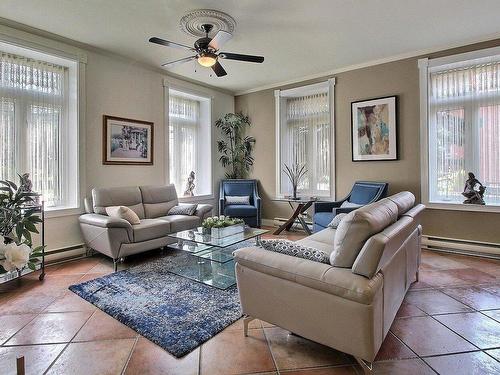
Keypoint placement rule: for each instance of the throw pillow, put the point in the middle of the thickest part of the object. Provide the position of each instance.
(183, 209)
(238, 199)
(291, 248)
(336, 221)
(123, 212)
(348, 204)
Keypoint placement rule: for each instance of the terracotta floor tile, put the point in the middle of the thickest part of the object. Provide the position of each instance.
(50, 328)
(495, 289)
(340, 370)
(439, 262)
(413, 366)
(148, 358)
(51, 284)
(238, 325)
(70, 302)
(90, 276)
(407, 309)
(425, 336)
(477, 363)
(418, 285)
(102, 267)
(37, 358)
(472, 276)
(495, 353)
(435, 302)
(230, 352)
(93, 358)
(27, 303)
(490, 266)
(494, 314)
(441, 278)
(393, 348)
(10, 324)
(475, 297)
(101, 326)
(294, 352)
(480, 330)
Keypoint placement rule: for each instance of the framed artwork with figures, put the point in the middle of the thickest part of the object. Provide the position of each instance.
(127, 141)
(374, 129)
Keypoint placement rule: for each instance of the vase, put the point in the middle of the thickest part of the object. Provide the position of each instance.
(294, 192)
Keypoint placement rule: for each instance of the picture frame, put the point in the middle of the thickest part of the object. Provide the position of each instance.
(127, 141)
(374, 129)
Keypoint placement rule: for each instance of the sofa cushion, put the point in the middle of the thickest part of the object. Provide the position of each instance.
(323, 218)
(336, 281)
(240, 210)
(336, 221)
(357, 227)
(322, 240)
(149, 229)
(185, 209)
(294, 249)
(118, 196)
(179, 223)
(158, 200)
(404, 200)
(123, 212)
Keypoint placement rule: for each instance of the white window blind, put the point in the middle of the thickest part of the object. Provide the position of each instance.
(33, 117)
(305, 140)
(184, 122)
(464, 130)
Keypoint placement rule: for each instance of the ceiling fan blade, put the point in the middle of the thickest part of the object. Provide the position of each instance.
(239, 57)
(218, 70)
(221, 38)
(180, 61)
(168, 43)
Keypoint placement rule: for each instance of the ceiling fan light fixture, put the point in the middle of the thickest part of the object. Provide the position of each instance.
(207, 59)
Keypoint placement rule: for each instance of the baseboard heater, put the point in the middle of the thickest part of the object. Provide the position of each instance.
(460, 246)
(64, 254)
(277, 221)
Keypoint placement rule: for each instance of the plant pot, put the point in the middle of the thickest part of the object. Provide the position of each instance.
(227, 231)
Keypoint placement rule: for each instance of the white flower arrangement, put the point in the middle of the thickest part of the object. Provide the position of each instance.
(13, 256)
(220, 222)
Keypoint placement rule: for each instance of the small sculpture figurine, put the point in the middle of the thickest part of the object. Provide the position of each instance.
(26, 184)
(473, 196)
(190, 186)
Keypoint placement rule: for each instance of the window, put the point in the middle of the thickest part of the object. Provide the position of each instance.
(305, 138)
(463, 129)
(189, 143)
(38, 122)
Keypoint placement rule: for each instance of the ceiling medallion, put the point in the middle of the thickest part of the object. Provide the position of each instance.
(192, 22)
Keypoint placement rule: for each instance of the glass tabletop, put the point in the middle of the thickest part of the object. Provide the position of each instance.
(197, 236)
(298, 200)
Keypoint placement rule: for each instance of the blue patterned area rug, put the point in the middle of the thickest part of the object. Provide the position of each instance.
(172, 311)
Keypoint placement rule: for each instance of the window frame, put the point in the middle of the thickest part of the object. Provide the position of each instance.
(426, 66)
(74, 59)
(207, 100)
(280, 107)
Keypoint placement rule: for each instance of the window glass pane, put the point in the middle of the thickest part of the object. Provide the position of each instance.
(489, 151)
(7, 140)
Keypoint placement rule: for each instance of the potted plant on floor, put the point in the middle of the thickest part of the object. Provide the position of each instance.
(18, 220)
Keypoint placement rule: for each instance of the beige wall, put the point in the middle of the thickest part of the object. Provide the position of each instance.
(115, 86)
(396, 78)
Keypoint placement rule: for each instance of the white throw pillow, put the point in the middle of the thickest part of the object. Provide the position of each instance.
(123, 212)
(347, 204)
(336, 221)
(238, 199)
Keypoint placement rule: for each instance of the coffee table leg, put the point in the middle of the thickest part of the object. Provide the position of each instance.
(257, 241)
(288, 224)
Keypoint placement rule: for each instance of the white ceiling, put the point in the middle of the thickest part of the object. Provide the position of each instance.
(298, 38)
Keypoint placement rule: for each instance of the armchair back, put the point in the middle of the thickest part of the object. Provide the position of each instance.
(238, 188)
(364, 192)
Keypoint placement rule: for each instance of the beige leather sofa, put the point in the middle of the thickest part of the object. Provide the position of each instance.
(117, 238)
(351, 306)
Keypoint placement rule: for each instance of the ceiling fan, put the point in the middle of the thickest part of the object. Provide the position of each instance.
(207, 51)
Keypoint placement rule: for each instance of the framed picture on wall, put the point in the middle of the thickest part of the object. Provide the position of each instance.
(374, 129)
(127, 141)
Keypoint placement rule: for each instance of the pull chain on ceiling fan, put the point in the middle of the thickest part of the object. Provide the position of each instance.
(207, 51)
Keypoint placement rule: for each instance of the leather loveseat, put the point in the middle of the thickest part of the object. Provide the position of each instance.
(118, 238)
(350, 305)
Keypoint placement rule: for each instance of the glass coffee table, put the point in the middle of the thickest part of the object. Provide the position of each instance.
(209, 260)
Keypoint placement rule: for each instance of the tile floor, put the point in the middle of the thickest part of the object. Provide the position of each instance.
(449, 323)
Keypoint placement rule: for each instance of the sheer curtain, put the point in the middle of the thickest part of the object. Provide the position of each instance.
(306, 141)
(184, 115)
(464, 130)
(32, 113)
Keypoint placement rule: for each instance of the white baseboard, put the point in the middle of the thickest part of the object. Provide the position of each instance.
(460, 246)
(269, 222)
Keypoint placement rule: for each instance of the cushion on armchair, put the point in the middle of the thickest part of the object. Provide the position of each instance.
(240, 210)
(238, 199)
(291, 248)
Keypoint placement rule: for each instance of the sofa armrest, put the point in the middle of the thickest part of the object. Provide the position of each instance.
(203, 210)
(337, 281)
(104, 221)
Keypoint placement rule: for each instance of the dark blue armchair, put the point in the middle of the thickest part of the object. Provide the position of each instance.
(363, 192)
(251, 214)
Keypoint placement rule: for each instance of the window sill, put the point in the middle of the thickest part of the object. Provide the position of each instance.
(196, 198)
(62, 211)
(462, 207)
